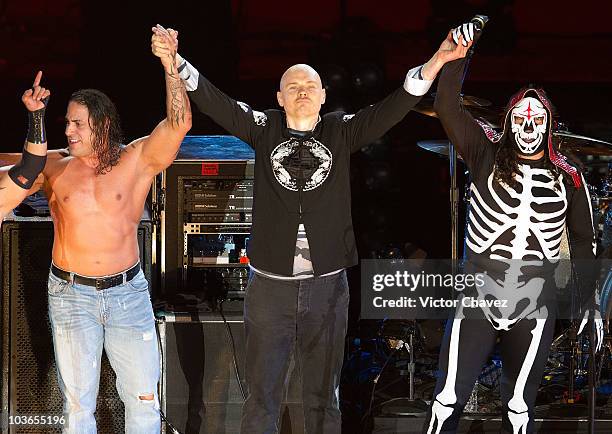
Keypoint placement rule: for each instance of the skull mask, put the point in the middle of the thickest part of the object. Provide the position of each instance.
(529, 121)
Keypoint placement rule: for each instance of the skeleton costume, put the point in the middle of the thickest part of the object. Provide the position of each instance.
(514, 236)
(301, 242)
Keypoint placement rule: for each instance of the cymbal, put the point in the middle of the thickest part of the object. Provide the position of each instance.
(479, 108)
(439, 147)
(582, 145)
(568, 142)
(474, 101)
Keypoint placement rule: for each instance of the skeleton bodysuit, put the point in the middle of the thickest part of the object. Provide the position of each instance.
(514, 235)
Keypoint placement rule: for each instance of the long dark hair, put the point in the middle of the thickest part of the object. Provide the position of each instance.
(104, 123)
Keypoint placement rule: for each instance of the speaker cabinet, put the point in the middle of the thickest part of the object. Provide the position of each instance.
(200, 388)
(29, 379)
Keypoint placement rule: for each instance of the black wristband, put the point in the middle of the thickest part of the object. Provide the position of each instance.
(36, 127)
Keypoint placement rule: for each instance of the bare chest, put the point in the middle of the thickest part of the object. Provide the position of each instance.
(90, 195)
(78, 192)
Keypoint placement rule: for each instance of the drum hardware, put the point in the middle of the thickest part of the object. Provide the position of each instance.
(580, 351)
(605, 300)
(606, 354)
(606, 190)
(402, 335)
(575, 351)
(582, 145)
(440, 147)
(480, 108)
(568, 142)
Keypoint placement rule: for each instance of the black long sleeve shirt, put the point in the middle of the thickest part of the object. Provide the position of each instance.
(302, 179)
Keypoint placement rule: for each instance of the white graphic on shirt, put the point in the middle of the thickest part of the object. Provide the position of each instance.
(306, 166)
(260, 118)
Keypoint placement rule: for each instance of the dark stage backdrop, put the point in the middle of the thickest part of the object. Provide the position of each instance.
(400, 192)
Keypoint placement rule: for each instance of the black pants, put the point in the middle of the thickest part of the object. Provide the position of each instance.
(306, 316)
(466, 345)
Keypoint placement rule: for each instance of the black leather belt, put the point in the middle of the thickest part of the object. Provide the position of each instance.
(97, 282)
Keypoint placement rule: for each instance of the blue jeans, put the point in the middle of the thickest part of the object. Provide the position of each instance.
(120, 319)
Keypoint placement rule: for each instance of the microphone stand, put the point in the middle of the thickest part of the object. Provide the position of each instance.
(481, 20)
(591, 360)
(591, 368)
(454, 192)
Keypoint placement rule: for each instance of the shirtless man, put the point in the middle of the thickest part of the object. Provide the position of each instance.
(17, 180)
(98, 295)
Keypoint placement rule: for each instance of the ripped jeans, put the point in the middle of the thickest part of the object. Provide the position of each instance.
(120, 319)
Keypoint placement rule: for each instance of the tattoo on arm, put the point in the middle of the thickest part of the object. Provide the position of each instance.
(172, 57)
(177, 102)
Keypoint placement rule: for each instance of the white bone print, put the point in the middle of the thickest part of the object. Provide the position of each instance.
(517, 407)
(522, 219)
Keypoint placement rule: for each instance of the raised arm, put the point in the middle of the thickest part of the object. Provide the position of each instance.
(372, 122)
(461, 128)
(16, 183)
(236, 117)
(159, 149)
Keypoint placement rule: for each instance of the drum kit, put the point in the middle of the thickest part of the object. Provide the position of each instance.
(567, 363)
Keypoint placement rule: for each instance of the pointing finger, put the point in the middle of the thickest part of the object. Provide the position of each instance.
(37, 79)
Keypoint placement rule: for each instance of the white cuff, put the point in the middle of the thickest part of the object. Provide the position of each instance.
(188, 74)
(415, 84)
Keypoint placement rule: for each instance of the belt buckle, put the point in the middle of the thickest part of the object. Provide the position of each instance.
(98, 284)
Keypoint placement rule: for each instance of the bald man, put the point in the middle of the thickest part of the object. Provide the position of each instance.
(16, 181)
(302, 236)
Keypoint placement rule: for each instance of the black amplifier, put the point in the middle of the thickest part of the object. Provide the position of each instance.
(212, 217)
(203, 207)
(206, 189)
(216, 205)
(222, 190)
(217, 199)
